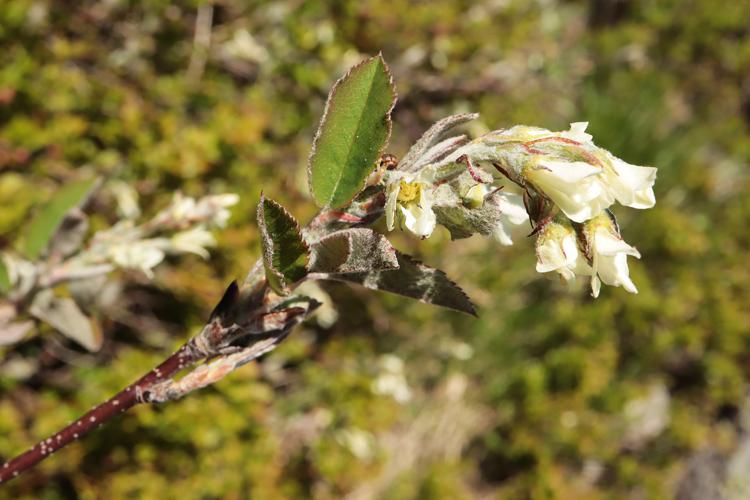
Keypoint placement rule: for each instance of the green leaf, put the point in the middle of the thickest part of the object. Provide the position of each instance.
(353, 251)
(285, 253)
(355, 128)
(43, 226)
(414, 279)
(4, 277)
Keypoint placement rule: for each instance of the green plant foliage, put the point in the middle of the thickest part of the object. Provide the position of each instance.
(44, 224)
(285, 253)
(355, 128)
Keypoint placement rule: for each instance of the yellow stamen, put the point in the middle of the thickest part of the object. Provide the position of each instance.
(409, 192)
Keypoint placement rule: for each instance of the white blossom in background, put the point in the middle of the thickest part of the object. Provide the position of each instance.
(142, 255)
(609, 255)
(181, 227)
(185, 211)
(360, 443)
(127, 199)
(557, 251)
(391, 380)
(196, 240)
(409, 203)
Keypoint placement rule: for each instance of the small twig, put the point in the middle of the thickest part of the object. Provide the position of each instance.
(122, 401)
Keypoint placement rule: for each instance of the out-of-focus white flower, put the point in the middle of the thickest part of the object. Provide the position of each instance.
(409, 201)
(244, 46)
(557, 250)
(185, 210)
(609, 254)
(126, 198)
(143, 255)
(214, 208)
(391, 380)
(360, 443)
(194, 240)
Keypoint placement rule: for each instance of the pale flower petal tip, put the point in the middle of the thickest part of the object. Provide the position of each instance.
(609, 254)
(513, 214)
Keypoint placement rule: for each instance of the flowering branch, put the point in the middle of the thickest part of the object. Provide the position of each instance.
(567, 185)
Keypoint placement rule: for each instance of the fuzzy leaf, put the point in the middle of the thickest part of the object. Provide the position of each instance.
(430, 138)
(64, 315)
(43, 226)
(414, 279)
(353, 251)
(285, 253)
(355, 128)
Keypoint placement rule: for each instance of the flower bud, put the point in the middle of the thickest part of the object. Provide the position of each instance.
(474, 197)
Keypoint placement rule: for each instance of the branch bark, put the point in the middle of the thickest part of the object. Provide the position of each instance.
(120, 402)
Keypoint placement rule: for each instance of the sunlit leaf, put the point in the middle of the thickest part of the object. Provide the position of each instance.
(355, 128)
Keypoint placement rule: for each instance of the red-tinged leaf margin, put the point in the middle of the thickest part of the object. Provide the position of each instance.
(366, 144)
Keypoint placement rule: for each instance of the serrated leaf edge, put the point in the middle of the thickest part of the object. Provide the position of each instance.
(326, 111)
(267, 241)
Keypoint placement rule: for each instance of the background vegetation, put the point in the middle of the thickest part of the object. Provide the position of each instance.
(549, 394)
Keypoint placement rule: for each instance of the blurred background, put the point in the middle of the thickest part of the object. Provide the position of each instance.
(548, 394)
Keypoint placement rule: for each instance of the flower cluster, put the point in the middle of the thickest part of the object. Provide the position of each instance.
(567, 183)
(143, 247)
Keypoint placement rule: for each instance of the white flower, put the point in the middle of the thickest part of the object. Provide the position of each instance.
(513, 212)
(391, 380)
(194, 240)
(409, 200)
(143, 255)
(631, 185)
(577, 187)
(557, 250)
(609, 255)
(581, 178)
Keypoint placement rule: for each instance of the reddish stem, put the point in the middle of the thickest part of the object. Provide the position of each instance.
(122, 401)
